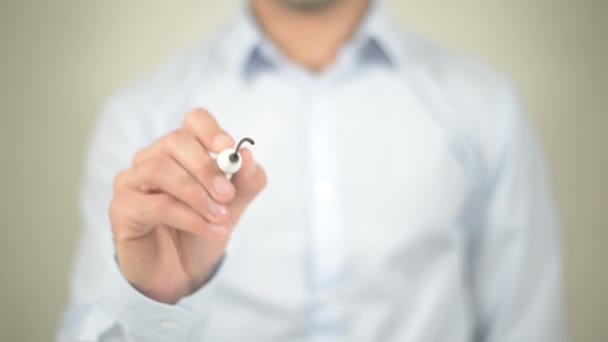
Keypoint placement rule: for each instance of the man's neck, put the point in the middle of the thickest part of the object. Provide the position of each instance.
(309, 38)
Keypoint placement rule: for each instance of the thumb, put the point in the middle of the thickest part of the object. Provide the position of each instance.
(249, 181)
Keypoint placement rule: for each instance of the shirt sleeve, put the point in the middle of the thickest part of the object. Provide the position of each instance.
(103, 305)
(516, 260)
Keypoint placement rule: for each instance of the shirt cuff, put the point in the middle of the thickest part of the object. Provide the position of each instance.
(144, 316)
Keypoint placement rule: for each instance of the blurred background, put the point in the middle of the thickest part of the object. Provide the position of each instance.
(59, 60)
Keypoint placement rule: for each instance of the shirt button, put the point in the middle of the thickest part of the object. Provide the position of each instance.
(168, 324)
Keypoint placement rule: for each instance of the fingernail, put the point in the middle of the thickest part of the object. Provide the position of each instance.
(222, 186)
(221, 141)
(216, 209)
(218, 229)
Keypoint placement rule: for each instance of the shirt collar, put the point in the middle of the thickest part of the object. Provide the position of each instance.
(249, 51)
(373, 37)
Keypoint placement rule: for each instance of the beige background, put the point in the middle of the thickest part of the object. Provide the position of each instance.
(59, 59)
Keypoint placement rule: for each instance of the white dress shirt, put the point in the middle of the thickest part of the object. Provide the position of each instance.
(406, 200)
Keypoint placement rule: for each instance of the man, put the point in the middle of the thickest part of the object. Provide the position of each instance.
(396, 194)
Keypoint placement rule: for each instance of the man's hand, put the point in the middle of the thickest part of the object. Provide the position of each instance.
(173, 211)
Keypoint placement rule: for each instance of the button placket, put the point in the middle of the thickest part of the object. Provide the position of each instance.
(326, 228)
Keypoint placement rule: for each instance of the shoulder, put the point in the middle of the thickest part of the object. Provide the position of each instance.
(477, 102)
(460, 78)
(478, 106)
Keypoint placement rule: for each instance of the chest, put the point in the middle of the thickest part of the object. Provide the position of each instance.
(383, 157)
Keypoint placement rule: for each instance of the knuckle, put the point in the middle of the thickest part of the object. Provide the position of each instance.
(120, 180)
(138, 157)
(148, 174)
(118, 213)
(126, 214)
(114, 210)
(146, 183)
(174, 140)
(156, 166)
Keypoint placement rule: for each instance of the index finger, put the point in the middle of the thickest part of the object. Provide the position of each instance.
(205, 128)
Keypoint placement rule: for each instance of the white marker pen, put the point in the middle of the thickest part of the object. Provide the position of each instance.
(230, 160)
